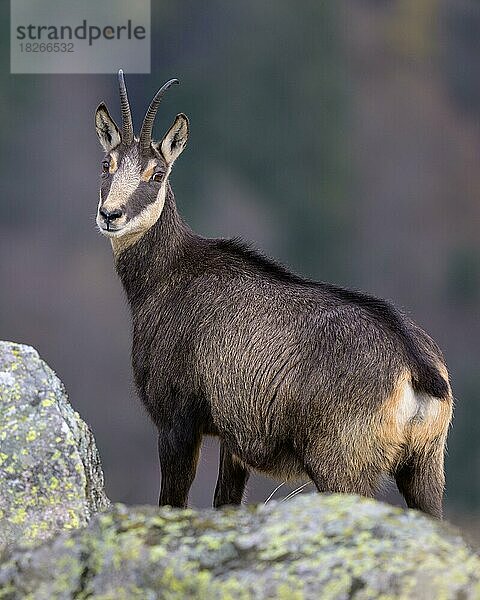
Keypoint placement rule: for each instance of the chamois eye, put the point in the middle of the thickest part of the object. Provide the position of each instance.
(156, 176)
(105, 166)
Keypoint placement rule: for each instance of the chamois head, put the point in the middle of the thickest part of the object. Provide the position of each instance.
(135, 170)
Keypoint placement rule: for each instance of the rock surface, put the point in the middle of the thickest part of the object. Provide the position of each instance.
(50, 473)
(318, 546)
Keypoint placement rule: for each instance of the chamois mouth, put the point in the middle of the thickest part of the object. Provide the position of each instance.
(110, 231)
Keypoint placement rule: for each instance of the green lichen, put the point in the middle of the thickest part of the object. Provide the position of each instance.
(50, 476)
(323, 546)
(31, 435)
(329, 547)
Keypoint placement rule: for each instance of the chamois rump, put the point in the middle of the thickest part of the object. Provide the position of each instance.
(298, 379)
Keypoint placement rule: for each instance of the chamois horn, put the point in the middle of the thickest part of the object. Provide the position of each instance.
(147, 125)
(127, 124)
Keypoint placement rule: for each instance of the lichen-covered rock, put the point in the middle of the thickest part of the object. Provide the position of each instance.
(317, 546)
(50, 473)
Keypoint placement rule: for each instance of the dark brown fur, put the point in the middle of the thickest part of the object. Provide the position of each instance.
(298, 379)
(293, 376)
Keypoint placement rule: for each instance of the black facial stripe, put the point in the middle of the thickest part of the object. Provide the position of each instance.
(145, 194)
(105, 187)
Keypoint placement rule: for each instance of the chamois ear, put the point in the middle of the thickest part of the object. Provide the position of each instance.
(107, 131)
(175, 139)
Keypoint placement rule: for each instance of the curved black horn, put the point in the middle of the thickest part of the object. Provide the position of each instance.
(127, 124)
(147, 126)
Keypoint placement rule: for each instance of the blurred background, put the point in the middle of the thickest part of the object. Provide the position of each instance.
(341, 136)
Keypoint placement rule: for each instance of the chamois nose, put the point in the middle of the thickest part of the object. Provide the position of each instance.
(111, 215)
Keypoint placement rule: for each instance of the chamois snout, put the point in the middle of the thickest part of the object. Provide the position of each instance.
(110, 216)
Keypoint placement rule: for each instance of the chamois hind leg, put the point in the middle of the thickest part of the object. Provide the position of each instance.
(421, 480)
(232, 478)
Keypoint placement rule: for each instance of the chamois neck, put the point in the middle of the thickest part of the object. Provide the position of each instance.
(156, 255)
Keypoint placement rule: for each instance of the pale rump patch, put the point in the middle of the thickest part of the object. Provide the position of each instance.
(411, 420)
(406, 404)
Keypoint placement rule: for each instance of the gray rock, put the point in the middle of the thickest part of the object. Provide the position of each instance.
(318, 546)
(50, 473)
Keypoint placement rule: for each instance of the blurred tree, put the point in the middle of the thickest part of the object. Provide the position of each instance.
(463, 462)
(269, 90)
(414, 26)
(463, 278)
(16, 98)
(462, 52)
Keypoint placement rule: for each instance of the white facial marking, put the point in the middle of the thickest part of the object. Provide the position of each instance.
(136, 227)
(125, 181)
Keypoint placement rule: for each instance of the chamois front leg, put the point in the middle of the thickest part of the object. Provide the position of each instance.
(232, 478)
(178, 451)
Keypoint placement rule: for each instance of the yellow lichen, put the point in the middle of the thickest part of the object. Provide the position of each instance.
(31, 435)
(18, 517)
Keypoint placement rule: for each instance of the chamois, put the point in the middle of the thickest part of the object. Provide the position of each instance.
(298, 379)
